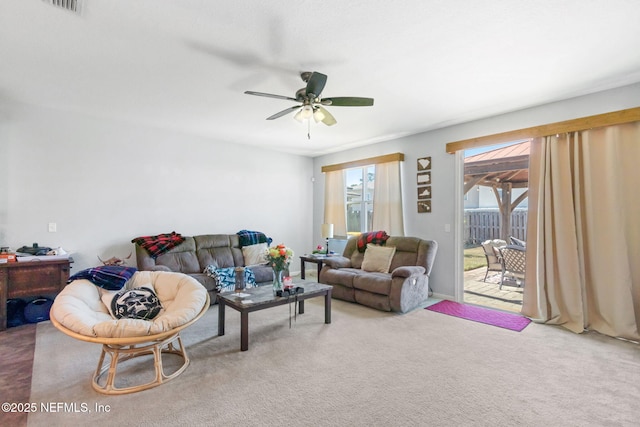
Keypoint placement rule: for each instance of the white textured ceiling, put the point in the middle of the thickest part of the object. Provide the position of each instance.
(184, 64)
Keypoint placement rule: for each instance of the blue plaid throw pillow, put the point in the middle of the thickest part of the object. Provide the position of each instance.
(248, 238)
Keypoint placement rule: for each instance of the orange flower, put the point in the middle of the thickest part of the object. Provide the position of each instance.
(279, 256)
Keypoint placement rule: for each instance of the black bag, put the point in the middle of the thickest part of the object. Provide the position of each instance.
(15, 312)
(34, 250)
(38, 310)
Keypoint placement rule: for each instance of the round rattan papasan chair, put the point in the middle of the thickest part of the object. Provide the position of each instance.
(80, 312)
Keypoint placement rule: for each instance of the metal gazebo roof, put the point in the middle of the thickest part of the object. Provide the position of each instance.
(490, 169)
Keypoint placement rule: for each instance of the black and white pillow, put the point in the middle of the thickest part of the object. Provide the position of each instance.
(137, 303)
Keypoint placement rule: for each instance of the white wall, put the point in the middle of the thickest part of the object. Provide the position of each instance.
(105, 182)
(472, 198)
(482, 197)
(447, 172)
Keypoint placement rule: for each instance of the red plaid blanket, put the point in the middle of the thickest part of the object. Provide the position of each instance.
(374, 237)
(157, 245)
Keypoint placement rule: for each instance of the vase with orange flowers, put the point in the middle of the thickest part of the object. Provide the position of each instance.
(279, 257)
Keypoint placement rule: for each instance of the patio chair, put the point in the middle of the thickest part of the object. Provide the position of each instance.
(517, 242)
(493, 256)
(513, 264)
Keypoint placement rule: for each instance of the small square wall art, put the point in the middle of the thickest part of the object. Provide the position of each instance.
(424, 206)
(424, 163)
(424, 192)
(423, 181)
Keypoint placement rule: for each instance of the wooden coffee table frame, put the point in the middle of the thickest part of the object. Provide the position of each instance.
(262, 298)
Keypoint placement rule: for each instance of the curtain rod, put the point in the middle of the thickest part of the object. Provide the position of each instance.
(599, 120)
(395, 157)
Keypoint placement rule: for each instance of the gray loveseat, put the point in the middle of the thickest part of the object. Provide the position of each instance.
(403, 288)
(194, 254)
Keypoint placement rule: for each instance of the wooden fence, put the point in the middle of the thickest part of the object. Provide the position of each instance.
(484, 224)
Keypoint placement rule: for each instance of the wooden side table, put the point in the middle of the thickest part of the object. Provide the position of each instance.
(31, 279)
(316, 259)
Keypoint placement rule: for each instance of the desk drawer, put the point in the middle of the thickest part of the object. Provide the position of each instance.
(35, 279)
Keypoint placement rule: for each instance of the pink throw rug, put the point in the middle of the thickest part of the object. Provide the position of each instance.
(512, 321)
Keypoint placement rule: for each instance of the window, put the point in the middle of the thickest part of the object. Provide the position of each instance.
(360, 184)
(349, 199)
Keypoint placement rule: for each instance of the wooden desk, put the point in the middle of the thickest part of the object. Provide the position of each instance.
(31, 279)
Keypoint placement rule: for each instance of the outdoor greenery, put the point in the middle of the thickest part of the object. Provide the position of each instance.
(474, 258)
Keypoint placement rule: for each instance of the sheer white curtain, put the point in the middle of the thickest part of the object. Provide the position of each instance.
(387, 199)
(334, 202)
(583, 236)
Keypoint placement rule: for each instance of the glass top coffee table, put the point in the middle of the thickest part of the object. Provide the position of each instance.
(262, 297)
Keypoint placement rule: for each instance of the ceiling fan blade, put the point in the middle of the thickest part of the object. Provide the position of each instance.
(348, 101)
(328, 119)
(284, 112)
(316, 83)
(269, 95)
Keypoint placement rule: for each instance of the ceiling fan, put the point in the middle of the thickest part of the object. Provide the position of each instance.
(311, 103)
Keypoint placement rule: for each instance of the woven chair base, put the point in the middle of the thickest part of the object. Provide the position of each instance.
(122, 353)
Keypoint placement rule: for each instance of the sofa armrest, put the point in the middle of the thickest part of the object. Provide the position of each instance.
(408, 271)
(144, 261)
(337, 262)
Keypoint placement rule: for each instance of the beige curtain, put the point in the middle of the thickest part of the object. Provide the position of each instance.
(387, 199)
(583, 236)
(334, 205)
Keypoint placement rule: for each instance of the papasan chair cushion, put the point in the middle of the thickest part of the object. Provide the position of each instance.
(80, 308)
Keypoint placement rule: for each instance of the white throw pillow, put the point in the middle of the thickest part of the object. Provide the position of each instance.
(255, 254)
(378, 258)
(107, 297)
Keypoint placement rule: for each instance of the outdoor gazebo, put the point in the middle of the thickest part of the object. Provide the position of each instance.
(503, 168)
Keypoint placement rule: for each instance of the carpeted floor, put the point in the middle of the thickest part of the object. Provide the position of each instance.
(366, 368)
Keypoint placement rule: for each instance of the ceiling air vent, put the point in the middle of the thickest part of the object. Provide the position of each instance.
(70, 5)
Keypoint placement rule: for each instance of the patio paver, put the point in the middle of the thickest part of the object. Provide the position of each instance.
(488, 294)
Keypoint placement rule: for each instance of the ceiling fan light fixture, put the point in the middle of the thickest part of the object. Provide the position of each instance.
(318, 115)
(307, 112)
(311, 103)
